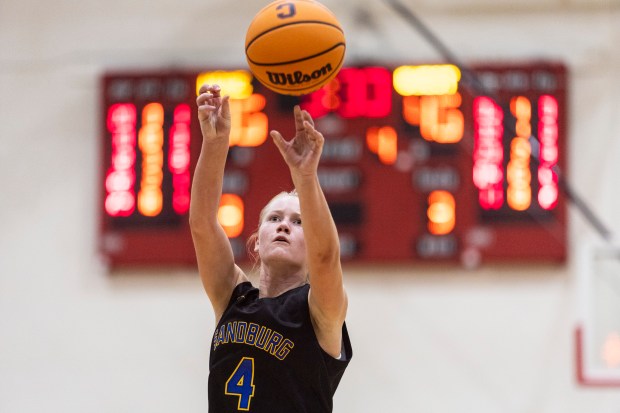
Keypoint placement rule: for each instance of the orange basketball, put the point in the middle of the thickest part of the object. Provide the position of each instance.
(295, 47)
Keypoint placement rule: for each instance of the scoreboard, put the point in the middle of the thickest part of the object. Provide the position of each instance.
(416, 167)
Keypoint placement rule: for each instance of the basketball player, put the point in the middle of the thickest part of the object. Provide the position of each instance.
(281, 347)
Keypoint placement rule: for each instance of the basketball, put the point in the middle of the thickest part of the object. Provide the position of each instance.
(295, 47)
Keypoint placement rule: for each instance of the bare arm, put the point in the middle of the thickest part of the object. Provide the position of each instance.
(327, 299)
(214, 254)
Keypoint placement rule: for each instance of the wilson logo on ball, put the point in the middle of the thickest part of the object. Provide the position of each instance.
(297, 77)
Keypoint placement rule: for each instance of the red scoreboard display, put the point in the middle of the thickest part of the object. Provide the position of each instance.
(416, 167)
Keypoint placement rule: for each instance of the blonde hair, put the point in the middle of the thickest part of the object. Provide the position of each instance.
(251, 242)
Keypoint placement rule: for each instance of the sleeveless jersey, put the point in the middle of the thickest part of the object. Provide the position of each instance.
(265, 357)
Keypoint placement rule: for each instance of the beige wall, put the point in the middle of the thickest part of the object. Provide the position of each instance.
(75, 339)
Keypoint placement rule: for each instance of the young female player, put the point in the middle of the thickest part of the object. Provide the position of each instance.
(281, 347)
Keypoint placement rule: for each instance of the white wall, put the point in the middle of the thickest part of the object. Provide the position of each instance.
(75, 339)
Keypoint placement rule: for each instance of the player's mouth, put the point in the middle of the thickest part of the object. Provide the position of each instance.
(281, 238)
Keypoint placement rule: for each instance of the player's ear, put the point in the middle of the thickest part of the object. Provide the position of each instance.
(256, 245)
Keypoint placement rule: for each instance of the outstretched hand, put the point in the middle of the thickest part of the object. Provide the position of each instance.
(303, 152)
(213, 113)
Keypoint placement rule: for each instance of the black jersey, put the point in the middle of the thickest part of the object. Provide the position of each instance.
(265, 357)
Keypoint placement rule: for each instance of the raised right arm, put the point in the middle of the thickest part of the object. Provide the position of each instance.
(214, 254)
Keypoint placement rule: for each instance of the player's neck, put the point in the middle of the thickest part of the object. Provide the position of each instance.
(274, 282)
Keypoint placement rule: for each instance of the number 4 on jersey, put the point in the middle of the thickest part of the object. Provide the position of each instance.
(241, 383)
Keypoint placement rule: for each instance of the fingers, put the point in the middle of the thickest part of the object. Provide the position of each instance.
(207, 92)
(215, 89)
(301, 116)
(210, 100)
(307, 118)
(278, 140)
(313, 134)
(206, 100)
(226, 107)
(299, 120)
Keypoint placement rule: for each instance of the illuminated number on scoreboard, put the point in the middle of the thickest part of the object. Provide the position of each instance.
(120, 200)
(355, 93)
(518, 175)
(241, 383)
(439, 117)
(548, 137)
(249, 124)
(365, 92)
(441, 212)
(383, 141)
(179, 158)
(488, 154)
(230, 215)
(151, 143)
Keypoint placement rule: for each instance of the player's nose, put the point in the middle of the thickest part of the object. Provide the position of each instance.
(284, 227)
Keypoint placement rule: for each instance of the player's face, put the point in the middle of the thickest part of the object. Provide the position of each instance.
(280, 235)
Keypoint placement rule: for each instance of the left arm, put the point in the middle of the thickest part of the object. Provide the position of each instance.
(327, 299)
